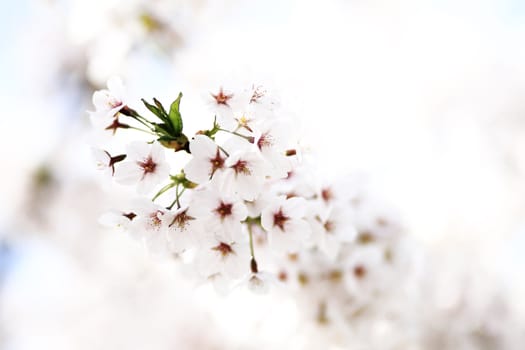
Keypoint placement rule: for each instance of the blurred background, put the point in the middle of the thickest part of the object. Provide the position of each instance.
(424, 97)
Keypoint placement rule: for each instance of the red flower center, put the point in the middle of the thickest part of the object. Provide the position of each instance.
(224, 249)
(154, 220)
(329, 226)
(130, 215)
(148, 165)
(181, 220)
(257, 94)
(264, 141)
(327, 194)
(217, 162)
(241, 167)
(221, 98)
(224, 210)
(359, 271)
(114, 103)
(279, 219)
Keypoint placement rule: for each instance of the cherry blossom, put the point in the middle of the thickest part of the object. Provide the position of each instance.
(145, 166)
(105, 162)
(244, 174)
(271, 140)
(150, 225)
(260, 282)
(117, 219)
(108, 102)
(183, 230)
(332, 228)
(262, 101)
(224, 257)
(207, 159)
(363, 271)
(224, 104)
(219, 212)
(284, 221)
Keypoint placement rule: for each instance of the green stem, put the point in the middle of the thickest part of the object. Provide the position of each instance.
(129, 112)
(143, 121)
(247, 138)
(143, 130)
(253, 262)
(177, 198)
(225, 152)
(251, 240)
(163, 190)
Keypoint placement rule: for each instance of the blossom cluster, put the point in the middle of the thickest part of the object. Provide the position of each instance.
(358, 257)
(245, 208)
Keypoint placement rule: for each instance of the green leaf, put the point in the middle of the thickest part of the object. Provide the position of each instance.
(155, 110)
(160, 106)
(175, 117)
(162, 129)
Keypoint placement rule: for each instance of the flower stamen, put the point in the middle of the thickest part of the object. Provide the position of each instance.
(224, 249)
(221, 98)
(279, 219)
(181, 220)
(217, 162)
(329, 226)
(265, 141)
(224, 210)
(359, 271)
(327, 195)
(154, 221)
(241, 167)
(116, 125)
(257, 94)
(148, 166)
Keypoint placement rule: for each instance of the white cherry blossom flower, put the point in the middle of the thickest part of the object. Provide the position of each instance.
(207, 159)
(264, 199)
(219, 212)
(145, 166)
(246, 120)
(244, 174)
(222, 284)
(224, 103)
(105, 162)
(108, 102)
(150, 226)
(117, 219)
(300, 182)
(261, 100)
(260, 282)
(284, 221)
(248, 117)
(364, 270)
(183, 230)
(227, 258)
(270, 139)
(376, 221)
(349, 189)
(333, 228)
